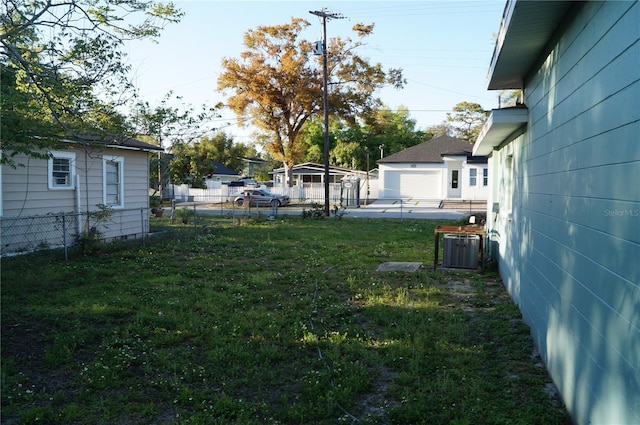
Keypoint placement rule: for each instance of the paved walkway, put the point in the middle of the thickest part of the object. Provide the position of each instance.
(406, 209)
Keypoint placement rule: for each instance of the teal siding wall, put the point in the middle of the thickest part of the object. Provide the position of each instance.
(568, 227)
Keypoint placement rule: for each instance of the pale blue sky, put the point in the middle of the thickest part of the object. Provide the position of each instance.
(444, 48)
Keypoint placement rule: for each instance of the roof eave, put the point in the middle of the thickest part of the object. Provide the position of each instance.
(136, 148)
(525, 30)
(501, 124)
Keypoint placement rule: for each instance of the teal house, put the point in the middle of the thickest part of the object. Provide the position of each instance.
(563, 212)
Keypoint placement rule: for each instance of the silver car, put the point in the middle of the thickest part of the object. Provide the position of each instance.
(261, 198)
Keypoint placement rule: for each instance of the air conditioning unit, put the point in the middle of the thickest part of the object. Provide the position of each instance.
(461, 251)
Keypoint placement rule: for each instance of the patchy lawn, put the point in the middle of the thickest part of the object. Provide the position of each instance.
(268, 322)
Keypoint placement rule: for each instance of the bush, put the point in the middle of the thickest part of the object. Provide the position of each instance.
(185, 214)
(316, 212)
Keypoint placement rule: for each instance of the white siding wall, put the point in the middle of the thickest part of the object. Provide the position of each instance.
(479, 191)
(569, 221)
(429, 181)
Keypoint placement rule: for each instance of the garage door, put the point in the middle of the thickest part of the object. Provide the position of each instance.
(419, 185)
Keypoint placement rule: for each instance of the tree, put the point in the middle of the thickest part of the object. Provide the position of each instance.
(18, 118)
(352, 143)
(395, 130)
(468, 119)
(277, 85)
(66, 67)
(166, 125)
(193, 162)
(509, 98)
(442, 129)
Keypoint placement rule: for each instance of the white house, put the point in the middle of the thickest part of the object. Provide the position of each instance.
(438, 169)
(78, 177)
(563, 214)
(311, 173)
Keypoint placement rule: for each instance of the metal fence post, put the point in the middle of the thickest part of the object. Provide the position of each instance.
(195, 224)
(142, 228)
(64, 236)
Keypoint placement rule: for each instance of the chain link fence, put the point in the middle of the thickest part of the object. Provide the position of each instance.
(65, 229)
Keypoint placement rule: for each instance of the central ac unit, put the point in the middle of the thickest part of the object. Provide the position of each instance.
(461, 251)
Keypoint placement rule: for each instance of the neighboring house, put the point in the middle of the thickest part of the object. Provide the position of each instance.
(438, 169)
(346, 186)
(252, 165)
(310, 173)
(563, 216)
(221, 174)
(76, 179)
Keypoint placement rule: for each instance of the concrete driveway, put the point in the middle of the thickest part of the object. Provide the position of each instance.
(383, 208)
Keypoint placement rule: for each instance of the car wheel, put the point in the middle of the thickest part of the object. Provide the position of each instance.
(275, 203)
(239, 202)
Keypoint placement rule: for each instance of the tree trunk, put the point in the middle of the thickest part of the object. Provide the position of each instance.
(288, 176)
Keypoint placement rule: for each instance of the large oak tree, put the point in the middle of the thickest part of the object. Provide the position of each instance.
(276, 84)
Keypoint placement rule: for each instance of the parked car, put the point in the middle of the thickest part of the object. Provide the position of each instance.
(261, 198)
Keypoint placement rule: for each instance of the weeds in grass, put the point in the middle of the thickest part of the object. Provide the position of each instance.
(279, 322)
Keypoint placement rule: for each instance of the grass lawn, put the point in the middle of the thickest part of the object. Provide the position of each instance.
(266, 322)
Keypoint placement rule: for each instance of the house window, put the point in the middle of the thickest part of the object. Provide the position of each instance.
(485, 177)
(473, 175)
(112, 180)
(61, 170)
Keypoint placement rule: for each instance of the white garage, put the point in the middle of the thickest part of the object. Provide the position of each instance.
(425, 184)
(438, 169)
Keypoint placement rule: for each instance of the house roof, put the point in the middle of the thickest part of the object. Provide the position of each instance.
(116, 142)
(431, 151)
(525, 30)
(313, 168)
(222, 169)
(253, 160)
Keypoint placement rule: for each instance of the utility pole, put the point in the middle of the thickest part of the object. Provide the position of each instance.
(324, 14)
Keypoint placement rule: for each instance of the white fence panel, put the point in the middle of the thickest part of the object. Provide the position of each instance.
(306, 193)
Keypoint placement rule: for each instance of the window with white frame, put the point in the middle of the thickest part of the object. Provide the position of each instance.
(473, 176)
(485, 177)
(61, 170)
(112, 180)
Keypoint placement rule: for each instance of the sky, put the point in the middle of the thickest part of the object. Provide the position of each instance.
(443, 47)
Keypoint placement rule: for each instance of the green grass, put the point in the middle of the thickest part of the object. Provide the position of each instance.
(268, 322)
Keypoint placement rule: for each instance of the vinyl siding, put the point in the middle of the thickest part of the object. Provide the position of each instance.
(569, 249)
(25, 191)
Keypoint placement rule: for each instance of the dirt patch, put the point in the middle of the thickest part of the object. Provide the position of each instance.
(376, 404)
(398, 266)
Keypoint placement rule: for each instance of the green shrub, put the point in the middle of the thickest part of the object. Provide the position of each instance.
(316, 212)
